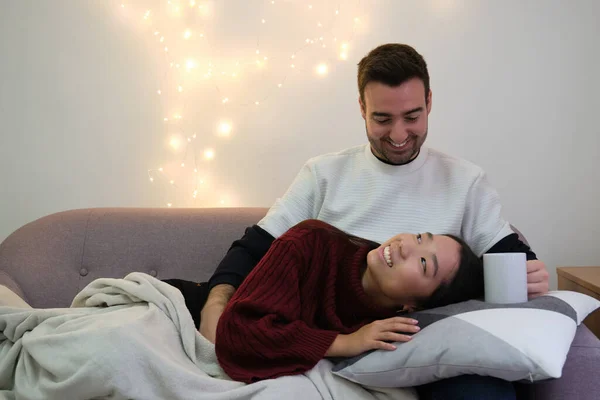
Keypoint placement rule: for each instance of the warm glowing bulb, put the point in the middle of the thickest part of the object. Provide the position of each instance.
(293, 56)
(225, 100)
(192, 3)
(293, 66)
(166, 119)
(158, 91)
(166, 49)
(169, 204)
(222, 201)
(279, 85)
(225, 129)
(160, 169)
(122, 5)
(156, 33)
(187, 34)
(357, 20)
(319, 25)
(172, 182)
(195, 169)
(310, 6)
(344, 55)
(175, 143)
(344, 46)
(183, 164)
(194, 136)
(257, 52)
(162, 39)
(209, 154)
(322, 69)
(263, 21)
(151, 179)
(337, 12)
(180, 89)
(190, 64)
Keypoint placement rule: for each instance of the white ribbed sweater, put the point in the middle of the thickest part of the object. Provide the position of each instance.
(356, 192)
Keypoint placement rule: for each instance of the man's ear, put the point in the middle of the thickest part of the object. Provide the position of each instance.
(363, 110)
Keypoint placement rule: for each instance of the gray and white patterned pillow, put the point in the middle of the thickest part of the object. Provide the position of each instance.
(525, 341)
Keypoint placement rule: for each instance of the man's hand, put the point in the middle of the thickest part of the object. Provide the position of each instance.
(211, 312)
(537, 278)
(373, 336)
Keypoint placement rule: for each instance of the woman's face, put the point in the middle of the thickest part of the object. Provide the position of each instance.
(409, 267)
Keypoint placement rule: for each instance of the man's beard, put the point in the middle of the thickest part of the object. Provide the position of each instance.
(396, 159)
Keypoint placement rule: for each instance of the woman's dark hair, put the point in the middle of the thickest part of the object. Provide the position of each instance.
(467, 283)
(392, 64)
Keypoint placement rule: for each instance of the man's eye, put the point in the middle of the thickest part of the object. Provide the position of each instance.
(382, 121)
(411, 119)
(419, 237)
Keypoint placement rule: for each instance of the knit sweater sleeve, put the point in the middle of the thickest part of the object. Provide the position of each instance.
(262, 333)
(301, 201)
(483, 225)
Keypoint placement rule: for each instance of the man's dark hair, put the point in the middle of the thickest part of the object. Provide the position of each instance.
(392, 64)
(466, 284)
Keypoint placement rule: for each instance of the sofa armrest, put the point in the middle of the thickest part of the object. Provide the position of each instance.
(581, 375)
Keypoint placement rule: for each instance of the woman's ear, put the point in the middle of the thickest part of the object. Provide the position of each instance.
(408, 309)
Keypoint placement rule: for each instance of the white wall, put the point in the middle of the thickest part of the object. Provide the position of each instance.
(515, 88)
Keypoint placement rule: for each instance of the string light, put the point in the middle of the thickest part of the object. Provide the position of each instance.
(225, 129)
(209, 154)
(188, 65)
(322, 69)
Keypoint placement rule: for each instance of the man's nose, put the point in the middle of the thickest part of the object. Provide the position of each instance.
(398, 133)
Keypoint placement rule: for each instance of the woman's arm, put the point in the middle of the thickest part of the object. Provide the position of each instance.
(262, 333)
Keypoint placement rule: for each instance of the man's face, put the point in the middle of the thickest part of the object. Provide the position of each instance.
(396, 119)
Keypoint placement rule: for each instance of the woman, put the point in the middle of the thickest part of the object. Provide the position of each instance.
(319, 292)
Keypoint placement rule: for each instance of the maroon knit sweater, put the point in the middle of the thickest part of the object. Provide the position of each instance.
(286, 314)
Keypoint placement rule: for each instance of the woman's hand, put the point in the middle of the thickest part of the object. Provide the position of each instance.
(373, 336)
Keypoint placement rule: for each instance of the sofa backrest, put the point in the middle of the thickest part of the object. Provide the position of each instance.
(56, 256)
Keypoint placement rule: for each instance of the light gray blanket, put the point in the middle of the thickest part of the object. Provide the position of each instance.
(133, 338)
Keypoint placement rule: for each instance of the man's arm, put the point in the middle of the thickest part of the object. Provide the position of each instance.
(485, 230)
(241, 258)
(537, 275)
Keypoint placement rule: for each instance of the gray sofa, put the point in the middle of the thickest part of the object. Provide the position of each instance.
(51, 259)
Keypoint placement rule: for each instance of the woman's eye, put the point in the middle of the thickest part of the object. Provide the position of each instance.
(419, 237)
(424, 265)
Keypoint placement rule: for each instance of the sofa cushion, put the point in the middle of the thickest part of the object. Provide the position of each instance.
(11, 293)
(526, 341)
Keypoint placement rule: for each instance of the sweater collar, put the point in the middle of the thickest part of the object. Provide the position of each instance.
(388, 169)
(360, 303)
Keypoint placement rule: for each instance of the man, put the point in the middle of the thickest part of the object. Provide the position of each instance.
(393, 184)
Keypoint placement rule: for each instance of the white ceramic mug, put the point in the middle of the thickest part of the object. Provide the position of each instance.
(505, 277)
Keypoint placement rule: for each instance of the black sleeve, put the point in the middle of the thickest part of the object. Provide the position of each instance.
(512, 244)
(241, 257)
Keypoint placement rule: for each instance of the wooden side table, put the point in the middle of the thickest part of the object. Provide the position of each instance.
(584, 280)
